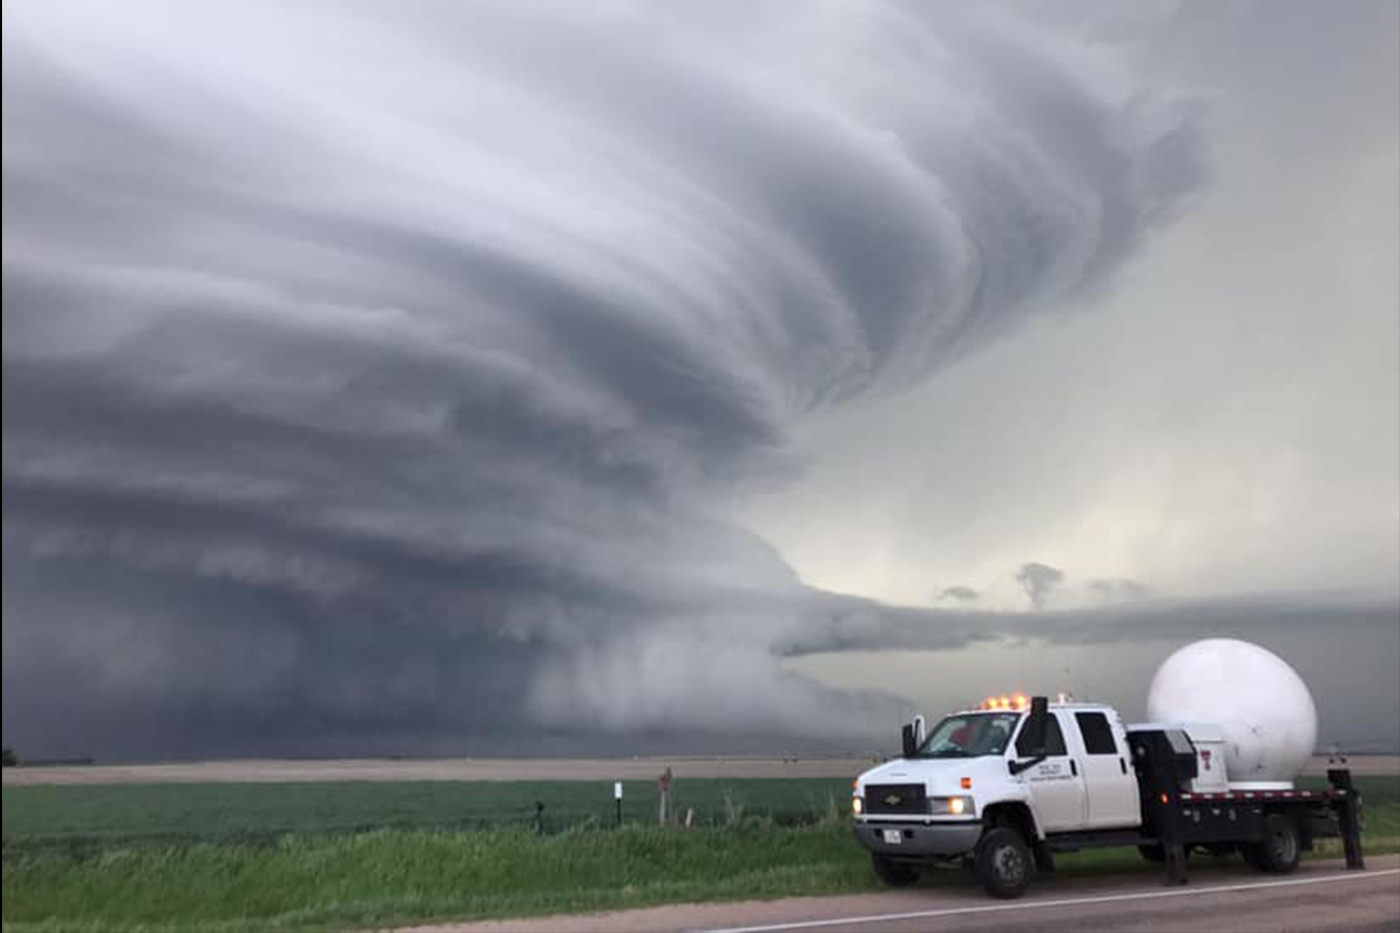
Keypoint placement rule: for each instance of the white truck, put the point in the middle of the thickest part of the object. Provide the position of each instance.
(1002, 787)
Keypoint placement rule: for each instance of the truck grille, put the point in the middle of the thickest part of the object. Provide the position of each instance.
(895, 798)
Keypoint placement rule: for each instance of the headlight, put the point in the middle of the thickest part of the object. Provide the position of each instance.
(951, 806)
(857, 805)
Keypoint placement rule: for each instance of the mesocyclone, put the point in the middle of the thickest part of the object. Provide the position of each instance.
(397, 378)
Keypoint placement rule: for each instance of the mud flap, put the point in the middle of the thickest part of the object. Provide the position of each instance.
(1044, 858)
(1176, 863)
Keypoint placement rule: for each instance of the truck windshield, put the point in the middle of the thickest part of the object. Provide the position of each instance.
(970, 736)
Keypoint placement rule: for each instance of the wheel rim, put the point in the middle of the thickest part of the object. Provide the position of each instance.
(1009, 865)
(1282, 846)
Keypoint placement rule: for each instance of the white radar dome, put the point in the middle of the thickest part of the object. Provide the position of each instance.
(1261, 705)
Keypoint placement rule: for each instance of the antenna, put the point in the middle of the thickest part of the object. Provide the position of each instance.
(1073, 691)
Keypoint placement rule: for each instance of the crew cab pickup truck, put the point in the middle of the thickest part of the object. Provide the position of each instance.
(1003, 787)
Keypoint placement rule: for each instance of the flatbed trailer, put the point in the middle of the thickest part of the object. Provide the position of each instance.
(1269, 827)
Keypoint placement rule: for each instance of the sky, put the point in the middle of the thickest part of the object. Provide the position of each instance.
(514, 378)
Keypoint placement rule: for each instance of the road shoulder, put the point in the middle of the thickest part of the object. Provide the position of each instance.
(741, 914)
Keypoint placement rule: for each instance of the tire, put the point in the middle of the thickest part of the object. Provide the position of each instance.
(894, 874)
(1251, 856)
(1278, 853)
(1003, 863)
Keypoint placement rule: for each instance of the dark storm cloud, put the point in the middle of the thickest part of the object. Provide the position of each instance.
(963, 594)
(386, 375)
(845, 623)
(1038, 580)
(1116, 589)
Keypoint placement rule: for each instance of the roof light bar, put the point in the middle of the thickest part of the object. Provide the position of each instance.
(1018, 701)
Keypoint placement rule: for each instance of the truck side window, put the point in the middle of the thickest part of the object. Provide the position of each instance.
(1098, 737)
(1054, 740)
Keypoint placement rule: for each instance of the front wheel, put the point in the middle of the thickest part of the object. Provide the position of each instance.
(1003, 863)
(894, 874)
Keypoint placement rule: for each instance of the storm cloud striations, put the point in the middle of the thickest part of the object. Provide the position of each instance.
(373, 374)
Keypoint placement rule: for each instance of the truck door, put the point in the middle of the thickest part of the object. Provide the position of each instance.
(1109, 782)
(1056, 784)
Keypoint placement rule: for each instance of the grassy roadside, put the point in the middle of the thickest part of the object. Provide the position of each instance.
(392, 877)
(319, 880)
(395, 877)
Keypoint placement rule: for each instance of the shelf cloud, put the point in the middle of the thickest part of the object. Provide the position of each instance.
(386, 374)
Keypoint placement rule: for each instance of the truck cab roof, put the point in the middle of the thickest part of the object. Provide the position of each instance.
(1072, 706)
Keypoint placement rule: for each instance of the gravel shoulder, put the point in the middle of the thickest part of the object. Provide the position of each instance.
(1229, 897)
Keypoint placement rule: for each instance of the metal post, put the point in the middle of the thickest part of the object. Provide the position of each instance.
(663, 787)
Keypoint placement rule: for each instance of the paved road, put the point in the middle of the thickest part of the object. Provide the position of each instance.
(1319, 898)
(500, 769)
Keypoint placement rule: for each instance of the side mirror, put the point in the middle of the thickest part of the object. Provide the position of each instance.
(1032, 738)
(908, 741)
(1037, 724)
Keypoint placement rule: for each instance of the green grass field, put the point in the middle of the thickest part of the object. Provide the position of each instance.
(314, 857)
(208, 811)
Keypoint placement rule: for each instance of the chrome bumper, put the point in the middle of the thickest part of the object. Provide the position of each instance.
(919, 839)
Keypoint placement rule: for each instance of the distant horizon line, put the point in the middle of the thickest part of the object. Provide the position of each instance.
(86, 761)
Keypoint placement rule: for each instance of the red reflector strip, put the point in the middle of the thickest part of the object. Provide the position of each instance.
(1264, 794)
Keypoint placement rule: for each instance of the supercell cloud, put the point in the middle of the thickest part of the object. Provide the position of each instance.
(379, 374)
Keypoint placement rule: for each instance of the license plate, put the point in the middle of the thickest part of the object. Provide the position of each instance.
(893, 837)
